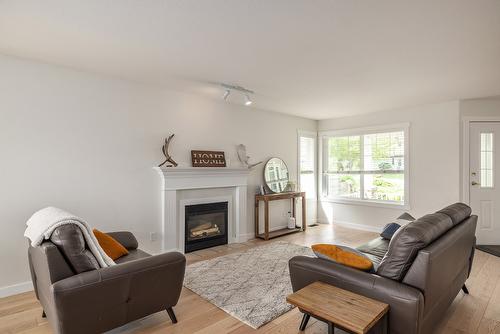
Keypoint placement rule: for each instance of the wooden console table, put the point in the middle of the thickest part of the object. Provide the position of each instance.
(274, 197)
(339, 308)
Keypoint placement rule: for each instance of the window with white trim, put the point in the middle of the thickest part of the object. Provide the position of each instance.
(307, 162)
(368, 165)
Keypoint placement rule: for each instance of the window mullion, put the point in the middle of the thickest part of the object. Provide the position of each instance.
(362, 165)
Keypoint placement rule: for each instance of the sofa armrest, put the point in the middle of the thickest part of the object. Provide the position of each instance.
(126, 239)
(126, 291)
(406, 303)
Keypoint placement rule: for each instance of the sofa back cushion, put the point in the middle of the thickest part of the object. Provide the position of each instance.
(408, 240)
(457, 212)
(71, 243)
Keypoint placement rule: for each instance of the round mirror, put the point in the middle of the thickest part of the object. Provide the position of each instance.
(276, 175)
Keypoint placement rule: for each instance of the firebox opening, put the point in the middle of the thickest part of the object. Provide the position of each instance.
(205, 225)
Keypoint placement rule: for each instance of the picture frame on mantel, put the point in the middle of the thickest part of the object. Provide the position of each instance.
(208, 158)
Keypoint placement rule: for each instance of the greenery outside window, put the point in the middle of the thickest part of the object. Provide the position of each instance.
(366, 165)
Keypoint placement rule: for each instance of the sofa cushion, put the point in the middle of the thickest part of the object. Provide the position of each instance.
(344, 255)
(71, 243)
(457, 212)
(391, 228)
(377, 247)
(133, 255)
(410, 239)
(109, 245)
(375, 250)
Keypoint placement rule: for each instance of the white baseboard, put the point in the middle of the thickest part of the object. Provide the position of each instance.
(355, 226)
(15, 289)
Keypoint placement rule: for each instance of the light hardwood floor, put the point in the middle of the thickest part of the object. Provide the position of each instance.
(478, 312)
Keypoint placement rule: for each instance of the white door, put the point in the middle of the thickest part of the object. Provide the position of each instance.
(485, 180)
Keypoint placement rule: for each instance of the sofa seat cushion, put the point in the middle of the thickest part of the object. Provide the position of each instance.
(409, 240)
(377, 247)
(71, 243)
(457, 212)
(375, 250)
(132, 255)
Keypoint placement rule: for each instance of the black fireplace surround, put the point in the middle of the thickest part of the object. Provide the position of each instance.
(205, 225)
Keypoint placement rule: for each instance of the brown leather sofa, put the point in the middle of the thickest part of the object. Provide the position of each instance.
(79, 297)
(419, 272)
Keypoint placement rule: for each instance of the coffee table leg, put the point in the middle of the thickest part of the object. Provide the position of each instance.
(331, 328)
(385, 328)
(305, 320)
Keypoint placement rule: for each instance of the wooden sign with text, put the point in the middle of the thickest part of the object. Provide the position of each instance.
(208, 159)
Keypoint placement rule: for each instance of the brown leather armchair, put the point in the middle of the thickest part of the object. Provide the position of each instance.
(79, 297)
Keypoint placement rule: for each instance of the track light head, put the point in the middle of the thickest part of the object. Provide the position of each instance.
(226, 94)
(247, 100)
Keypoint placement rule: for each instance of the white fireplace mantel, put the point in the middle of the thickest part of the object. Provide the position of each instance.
(176, 179)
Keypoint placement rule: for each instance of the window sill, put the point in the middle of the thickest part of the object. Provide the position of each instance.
(394, 206)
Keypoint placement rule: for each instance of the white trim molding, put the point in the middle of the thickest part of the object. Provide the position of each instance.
(176, 179)
(361, 227)
(466, 122)
(10, 290)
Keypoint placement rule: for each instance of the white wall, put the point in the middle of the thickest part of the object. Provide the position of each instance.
(87, 143)
(434, 163)
(483, 107)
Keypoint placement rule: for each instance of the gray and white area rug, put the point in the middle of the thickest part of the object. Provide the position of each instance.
(251, 286)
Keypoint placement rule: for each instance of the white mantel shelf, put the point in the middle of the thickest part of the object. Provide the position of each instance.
(175, 179)
(178, 178)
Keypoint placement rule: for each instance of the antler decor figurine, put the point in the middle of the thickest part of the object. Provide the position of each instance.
(242, 155)
(164, 149)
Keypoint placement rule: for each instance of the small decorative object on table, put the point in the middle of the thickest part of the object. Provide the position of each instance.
(291, 220)
(208, 159)
(164, 149)
(242, 155)
(291, 186)
(262, 190)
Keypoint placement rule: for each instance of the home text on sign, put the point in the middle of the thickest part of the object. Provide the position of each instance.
(208, 159)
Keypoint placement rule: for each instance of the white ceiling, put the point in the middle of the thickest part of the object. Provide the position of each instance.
(317, 59)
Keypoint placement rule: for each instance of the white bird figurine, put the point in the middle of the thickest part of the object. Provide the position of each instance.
(242, 155)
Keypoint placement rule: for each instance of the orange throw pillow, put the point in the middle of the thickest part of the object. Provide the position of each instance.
(113, 248)
(344, 255)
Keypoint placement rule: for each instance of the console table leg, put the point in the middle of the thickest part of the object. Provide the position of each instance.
(256, 218)
(266, 220)
(304, 223)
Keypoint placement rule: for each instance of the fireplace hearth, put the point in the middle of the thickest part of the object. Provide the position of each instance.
(206, 225)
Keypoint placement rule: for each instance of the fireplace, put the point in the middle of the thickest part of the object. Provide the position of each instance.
(205, 225)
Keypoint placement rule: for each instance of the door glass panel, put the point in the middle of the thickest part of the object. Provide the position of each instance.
(487, 160)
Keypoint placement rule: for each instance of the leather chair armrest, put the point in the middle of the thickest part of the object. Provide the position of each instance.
(406, 303)
(173, 261)
(123, 292)
(127, 239)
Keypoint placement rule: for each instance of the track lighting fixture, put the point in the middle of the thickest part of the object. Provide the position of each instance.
(226, 94)
(247, 100)
(245, 92)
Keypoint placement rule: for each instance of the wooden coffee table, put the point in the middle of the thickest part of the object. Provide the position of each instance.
(339, 308)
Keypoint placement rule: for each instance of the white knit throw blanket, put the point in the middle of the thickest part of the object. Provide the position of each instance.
(45, 221)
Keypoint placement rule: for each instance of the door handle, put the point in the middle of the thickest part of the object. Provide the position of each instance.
(474, 183)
